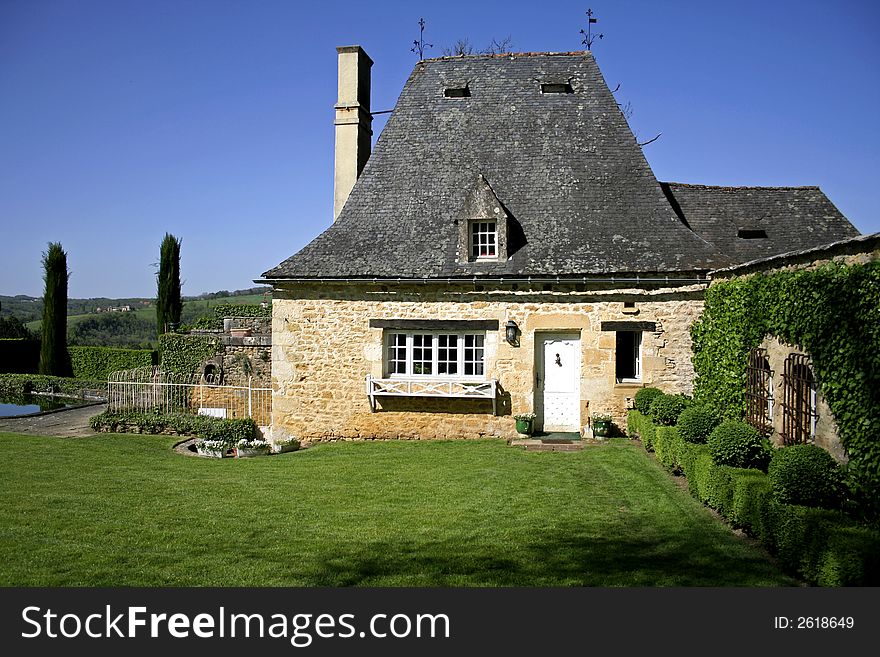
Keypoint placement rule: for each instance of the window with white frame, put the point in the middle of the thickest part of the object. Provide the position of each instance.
(484, 239)
(628, 356)
(434, 354)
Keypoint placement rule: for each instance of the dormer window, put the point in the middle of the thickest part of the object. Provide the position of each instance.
(556, 88)
(482, 226)
(484, 240)
(457, 92)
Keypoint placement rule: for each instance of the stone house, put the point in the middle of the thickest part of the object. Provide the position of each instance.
(505, 249)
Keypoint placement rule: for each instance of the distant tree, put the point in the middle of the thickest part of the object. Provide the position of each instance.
(497, 47)
(168, 302)
(464, 47)
(126, 330)
(11, 327)
(460, 47)
(54, 358)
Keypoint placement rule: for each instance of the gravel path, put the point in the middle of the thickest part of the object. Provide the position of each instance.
(67, 423)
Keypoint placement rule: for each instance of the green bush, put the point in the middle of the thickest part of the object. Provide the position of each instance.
(241, 310)
(851, 558)
(22, 384)
(665, 409)
(99, 362)
(740, 445)
(806, 475)
(644, 397)
(751, 490)
(638, 425)
(665, 441)
(184, 424)
(696, 422)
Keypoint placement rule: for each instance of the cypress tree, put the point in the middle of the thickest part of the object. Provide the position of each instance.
(168, 303)
(54, 359)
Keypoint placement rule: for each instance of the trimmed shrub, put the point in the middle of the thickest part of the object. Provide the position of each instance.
(644, 397)
(740, 445)
(851, 558)
(666, 442)
(637, 425)
(687, 456)
(22, 384)
(242, 310)
(806, 475)
(665, 409)
(751, 490)
(99, 362)
(696, 422)
(201, 426)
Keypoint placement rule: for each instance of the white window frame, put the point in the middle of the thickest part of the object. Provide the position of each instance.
(637, 355)
(475, 230)
(460, 359)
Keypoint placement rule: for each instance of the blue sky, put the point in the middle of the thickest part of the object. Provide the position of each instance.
(212, 120)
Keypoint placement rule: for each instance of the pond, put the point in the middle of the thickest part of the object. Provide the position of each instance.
(11, 405)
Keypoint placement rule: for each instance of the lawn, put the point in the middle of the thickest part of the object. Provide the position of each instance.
(127, 511)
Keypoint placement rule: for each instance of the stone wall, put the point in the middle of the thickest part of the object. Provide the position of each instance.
(323, 349)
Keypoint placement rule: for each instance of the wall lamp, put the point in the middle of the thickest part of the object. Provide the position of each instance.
(511, 332)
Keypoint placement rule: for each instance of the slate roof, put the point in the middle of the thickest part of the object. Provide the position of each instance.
(793, 218)
(566, 167)
(582, 199)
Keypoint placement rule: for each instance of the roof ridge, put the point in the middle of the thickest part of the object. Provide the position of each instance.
(681, 184)
(502, 55)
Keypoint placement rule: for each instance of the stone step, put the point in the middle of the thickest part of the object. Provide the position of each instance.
(533, 445)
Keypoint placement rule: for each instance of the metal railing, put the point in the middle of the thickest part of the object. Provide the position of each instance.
(154, 390)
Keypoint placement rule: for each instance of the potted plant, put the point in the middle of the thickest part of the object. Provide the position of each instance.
(252, 447)
(285, 445)
(525, 423)
(601, 425)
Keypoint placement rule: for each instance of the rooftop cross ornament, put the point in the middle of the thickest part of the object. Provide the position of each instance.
(420, 45)
(589, 37)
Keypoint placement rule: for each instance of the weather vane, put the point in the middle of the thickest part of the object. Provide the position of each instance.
(420, 45)
(589, 37)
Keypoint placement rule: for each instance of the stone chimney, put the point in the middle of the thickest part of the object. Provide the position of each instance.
(353, 122)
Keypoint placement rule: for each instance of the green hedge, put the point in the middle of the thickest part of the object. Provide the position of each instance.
(241, 310)
(833, 312)
(19, 355)
(819, 546)
(99, 362)
(21, 384)
(640, 426)
(666, 446)
(201, 426)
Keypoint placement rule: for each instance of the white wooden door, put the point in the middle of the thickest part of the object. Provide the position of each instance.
(558, 378)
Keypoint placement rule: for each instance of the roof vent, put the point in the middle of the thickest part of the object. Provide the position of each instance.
(457, 91)
(751, 233)
(556, 88)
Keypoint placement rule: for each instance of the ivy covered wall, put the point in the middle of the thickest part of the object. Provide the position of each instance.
(831, 312)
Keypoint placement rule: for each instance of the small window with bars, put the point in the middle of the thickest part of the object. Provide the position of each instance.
(484, 239)
(759, 391)
(799, 401)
